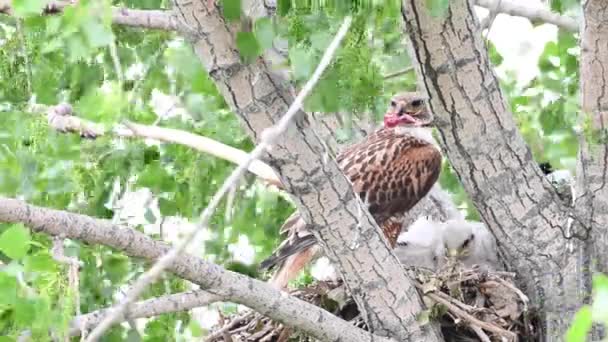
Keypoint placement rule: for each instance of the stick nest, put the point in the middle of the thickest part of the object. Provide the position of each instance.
(469, 304)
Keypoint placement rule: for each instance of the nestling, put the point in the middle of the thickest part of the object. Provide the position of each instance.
(469, 242)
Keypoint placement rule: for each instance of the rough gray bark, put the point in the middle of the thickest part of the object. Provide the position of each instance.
(228, 285)
(323, 195)
(492, 160)
(592, 168)
(591, 202)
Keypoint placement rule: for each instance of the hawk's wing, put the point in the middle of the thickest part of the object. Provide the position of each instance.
(391, 173)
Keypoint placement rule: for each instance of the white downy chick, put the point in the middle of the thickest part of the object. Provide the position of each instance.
(417, 246)
(469, 242)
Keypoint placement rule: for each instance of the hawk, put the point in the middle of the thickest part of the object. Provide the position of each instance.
(391, 170)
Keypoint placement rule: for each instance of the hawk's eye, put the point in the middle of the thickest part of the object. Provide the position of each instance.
(417, 103)
(393, 103)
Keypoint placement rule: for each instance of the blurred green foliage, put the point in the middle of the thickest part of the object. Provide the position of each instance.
(595, 313)
(48, 59)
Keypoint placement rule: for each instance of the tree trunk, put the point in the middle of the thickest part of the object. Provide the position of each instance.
(493, 162)
(349, 236)
(592, 192)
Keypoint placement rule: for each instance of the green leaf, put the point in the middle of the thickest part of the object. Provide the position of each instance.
(39, 263)
(97, 34)
(25, 312)
(283, 7)
(195, 328)
(264, 32)
(495, 57)
(167, 207)
(544, 62)
(581, 325)
(232, 9)
(599, 307)
(302, 63)
(437, 7)
(423, 317)
(8, 288)
(320, 40)
(77, 47)
(248, 45)
(23, 8)
(15, 241)
(600, 282)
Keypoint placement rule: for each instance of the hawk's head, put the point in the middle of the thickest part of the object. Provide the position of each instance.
(408, 110)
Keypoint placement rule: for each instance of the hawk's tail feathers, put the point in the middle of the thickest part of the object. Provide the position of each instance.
(292, 266)
(294, 253)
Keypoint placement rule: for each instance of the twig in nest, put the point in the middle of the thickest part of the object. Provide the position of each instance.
(226, 334)
(517, 291)
(482, 335)
(472, 320)
(456, 302)
(220, 333)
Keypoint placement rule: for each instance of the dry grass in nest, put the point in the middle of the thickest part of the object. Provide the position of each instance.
(469, 304)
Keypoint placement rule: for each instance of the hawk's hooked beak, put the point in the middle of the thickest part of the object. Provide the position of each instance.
(392, 119)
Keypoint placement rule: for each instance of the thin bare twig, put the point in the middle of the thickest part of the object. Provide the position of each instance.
(470, 319)
(532, 13)
(148, 308)
(479, 332)
(399, 73)
(116, 62)
(268, 137)
(220, 332)
(73, 264)
(202, 144)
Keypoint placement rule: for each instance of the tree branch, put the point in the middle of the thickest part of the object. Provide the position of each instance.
(268, 137)
(148, 308)
(68, 122)
(205, 145)
(535, 13)
(323, 195)
(489, 155)
(149, 19)
(214, 279)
